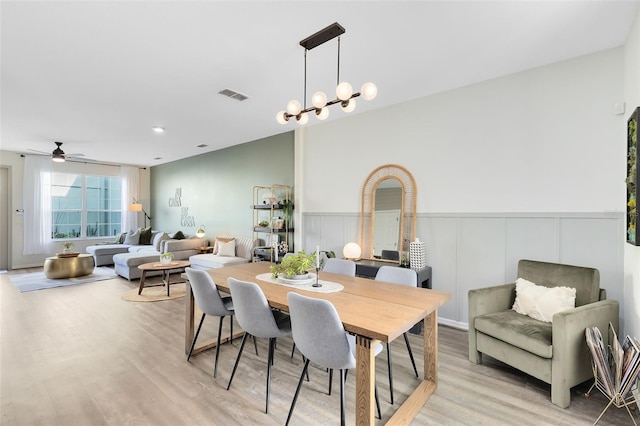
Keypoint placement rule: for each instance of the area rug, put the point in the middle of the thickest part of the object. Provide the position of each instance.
(155, 294)
(37, 281)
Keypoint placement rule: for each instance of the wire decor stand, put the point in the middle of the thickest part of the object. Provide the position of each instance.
(615, 368)
(617, 399)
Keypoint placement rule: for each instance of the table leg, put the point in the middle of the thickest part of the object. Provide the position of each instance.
(144, 274)
(365, 380)
(189, 326)
(166, 282)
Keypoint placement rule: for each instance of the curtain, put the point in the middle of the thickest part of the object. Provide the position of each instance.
(37, 204)
(130, 179)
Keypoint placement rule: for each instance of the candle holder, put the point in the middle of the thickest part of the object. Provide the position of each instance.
(317, 284)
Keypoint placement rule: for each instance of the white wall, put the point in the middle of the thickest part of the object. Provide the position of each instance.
(524, 166)
(631, 253)
(540, 140)
(17, 228)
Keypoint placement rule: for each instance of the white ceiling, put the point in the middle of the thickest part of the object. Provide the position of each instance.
(99, 75)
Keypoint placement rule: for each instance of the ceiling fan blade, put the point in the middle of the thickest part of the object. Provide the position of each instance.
(39, 152)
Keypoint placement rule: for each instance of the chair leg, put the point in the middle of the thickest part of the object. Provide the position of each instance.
(406, 340)
(215, 363)
(293, 349)
(390, 372)
(231, 329)
(343, 376)
(244, 339)
(255, 344)
(295, 396)
(375, 389)
(330, 379)
(193, 344)
(272, 347)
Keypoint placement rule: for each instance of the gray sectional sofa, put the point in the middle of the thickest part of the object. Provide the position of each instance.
(127, 257)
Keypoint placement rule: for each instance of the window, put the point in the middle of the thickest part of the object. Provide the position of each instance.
(85, 206)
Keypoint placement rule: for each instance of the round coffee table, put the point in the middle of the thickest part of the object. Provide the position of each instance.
(166, 269)
(68, 267)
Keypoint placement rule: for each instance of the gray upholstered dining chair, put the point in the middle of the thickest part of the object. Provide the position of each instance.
(340, 266)
(404, 276)
(329, 346)
(210, 302)
(257, 319)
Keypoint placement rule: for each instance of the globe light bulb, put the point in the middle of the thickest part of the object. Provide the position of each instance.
(322, 114)
(319, 99)
(302, 119)
(368, 91)
(349, 105)
(281, 118)
(344, 91)
(352, 251)
(294, 107)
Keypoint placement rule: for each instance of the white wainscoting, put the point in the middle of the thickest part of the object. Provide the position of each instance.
(468, 250)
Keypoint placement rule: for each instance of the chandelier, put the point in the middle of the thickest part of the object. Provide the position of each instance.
(344, 92)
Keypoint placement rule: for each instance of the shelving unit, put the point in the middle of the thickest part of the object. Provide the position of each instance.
(273, 205)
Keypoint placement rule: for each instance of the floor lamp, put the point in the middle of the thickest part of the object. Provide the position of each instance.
(137, 207)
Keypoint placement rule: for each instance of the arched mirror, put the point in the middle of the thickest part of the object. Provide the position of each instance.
(388, 214)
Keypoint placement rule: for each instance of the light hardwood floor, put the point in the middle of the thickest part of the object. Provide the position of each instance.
(80, 355)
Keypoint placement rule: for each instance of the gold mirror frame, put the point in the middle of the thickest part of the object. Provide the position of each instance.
(408, 213)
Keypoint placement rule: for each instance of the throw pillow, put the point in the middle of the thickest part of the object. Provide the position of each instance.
(119, 239)
(132, 238)
(227, 249)
(177, 236)
(158, 239)
(145, 236)
(220, 240)
(540, 302)
(122, 237)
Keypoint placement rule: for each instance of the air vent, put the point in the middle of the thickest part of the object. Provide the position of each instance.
(233, 95)
(202, 145)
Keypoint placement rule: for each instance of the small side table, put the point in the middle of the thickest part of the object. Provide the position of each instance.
(204, 249)
(166, 272)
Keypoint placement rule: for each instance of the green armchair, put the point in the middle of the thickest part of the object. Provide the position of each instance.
(555, 352)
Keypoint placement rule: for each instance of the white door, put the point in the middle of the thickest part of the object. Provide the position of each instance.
(387, 231)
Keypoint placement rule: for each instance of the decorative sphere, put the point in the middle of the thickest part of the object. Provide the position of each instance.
(352, 251)
(344, 91)
(294, 107)
(368, 91)
(319, 99)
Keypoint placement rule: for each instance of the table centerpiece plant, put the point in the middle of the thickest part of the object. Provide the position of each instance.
(294, 266)
(67, 247)
(166, 258)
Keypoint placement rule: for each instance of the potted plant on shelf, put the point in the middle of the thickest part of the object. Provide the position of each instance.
(295, 266)
(287, 212)
(166, 258)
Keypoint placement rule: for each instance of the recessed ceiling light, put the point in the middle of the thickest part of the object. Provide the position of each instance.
(158, 129)
(202, 145)
(157, 158)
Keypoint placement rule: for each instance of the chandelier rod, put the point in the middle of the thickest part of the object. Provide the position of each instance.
(338, 73)
(304, 97)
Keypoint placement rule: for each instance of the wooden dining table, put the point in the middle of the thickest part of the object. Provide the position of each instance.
(374, 311)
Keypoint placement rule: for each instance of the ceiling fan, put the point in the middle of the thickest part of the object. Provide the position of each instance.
(58, 154)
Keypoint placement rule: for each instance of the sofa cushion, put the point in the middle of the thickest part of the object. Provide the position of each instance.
(211, 261)
(586, 281)
(145, 236)
(540, 302)
(518, 330)
(177, 236)
(132, 238)
(220, 240)
(107, 249)
(158, 239)
(227, 249)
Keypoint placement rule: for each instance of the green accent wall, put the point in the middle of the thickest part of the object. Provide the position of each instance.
(215, 189)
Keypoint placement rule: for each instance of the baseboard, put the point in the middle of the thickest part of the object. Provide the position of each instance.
(453, 324)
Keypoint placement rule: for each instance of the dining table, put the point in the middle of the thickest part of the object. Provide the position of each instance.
(373, 311)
